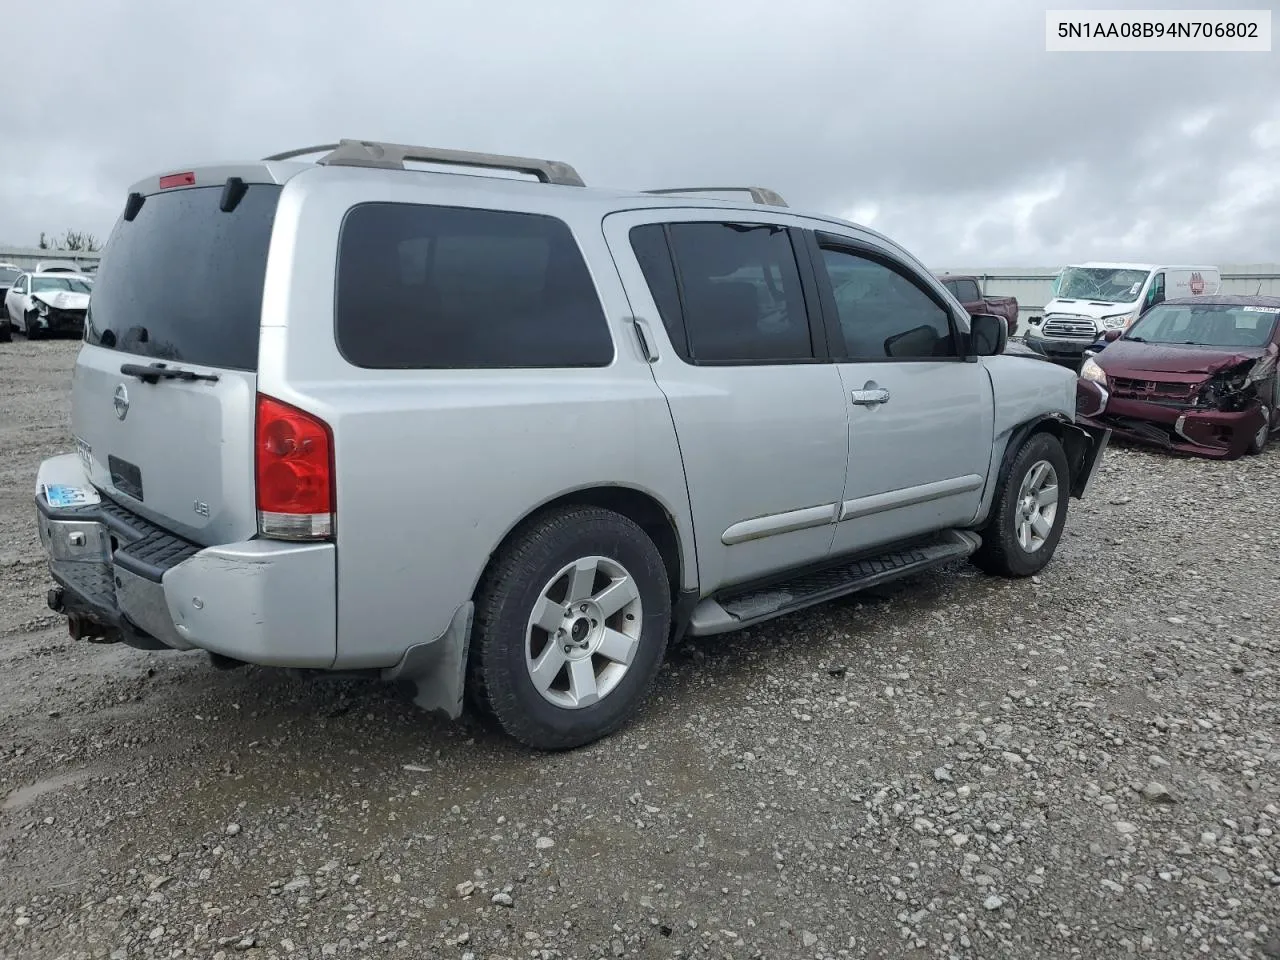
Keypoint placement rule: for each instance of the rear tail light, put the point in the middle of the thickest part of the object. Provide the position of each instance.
(293, 471)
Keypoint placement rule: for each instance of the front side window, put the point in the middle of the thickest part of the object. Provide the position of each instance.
(740, 293)
(20, 285)
(1156, 293)
(884, 314)
(426, 287)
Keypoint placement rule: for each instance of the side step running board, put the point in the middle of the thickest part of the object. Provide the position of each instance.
(733, 610)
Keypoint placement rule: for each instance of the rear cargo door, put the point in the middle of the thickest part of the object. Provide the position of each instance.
(179, 290)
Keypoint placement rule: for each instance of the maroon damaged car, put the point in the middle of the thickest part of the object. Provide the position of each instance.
(1196, 375)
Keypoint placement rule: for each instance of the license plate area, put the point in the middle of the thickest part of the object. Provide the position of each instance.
(125, 477)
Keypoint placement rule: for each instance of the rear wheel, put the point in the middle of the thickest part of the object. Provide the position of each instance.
(571, 625)
(1029, 512)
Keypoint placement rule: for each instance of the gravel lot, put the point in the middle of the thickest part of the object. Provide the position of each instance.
(1083, 765)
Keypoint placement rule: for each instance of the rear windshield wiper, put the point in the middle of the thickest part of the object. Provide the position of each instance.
(154, 373)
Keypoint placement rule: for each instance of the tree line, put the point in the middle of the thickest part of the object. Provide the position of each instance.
(72, 241)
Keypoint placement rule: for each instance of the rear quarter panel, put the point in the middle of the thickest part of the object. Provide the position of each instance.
(434, 468)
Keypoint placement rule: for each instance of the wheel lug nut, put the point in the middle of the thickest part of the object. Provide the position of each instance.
(583, 608)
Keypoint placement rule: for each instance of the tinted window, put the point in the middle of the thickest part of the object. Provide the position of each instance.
(183, 280)
(967, 291)
(884, 314)
(741, 293)
(20, 285)
(649, 243)
(445, 287)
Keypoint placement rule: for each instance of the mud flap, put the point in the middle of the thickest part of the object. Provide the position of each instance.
(436, 670)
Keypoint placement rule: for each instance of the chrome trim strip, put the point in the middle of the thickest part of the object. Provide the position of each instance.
(909, 496)
(775, 523)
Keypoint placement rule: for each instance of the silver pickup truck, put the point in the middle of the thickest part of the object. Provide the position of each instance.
(501, 439)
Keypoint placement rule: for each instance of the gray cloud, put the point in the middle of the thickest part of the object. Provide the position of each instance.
(945, 125)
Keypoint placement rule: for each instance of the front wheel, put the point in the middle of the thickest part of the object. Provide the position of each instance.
(1259, 441)
(31, 326)
(571, 626)
(1029, 511)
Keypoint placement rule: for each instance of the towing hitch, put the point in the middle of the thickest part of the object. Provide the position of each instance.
(80, 626)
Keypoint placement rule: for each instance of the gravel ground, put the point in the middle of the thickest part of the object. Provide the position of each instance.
(1083, 765)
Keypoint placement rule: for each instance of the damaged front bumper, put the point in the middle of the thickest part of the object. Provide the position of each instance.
(1218, 434)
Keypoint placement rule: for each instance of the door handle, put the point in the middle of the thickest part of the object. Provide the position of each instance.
(870, 396)
(647, 347)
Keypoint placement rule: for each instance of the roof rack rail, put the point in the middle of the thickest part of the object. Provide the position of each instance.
(372, 153)
(758, 194)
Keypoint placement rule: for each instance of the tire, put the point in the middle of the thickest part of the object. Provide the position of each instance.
(29, 328)
(1263, 436)
(1002, 551)
(533, 576)
(5, 334)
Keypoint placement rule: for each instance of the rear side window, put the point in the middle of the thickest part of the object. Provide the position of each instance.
(740, 292)
(426, 287)
(967, 291)
(183, 280)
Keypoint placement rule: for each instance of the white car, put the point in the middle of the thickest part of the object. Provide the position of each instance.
(56, 266)
(39, 304)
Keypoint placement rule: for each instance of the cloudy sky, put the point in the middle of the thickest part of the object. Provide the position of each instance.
(944, 124)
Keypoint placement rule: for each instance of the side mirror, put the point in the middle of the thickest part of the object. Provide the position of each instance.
(1112, 335)
(988, 335)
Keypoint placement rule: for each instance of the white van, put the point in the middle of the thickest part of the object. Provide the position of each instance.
(1090, 298)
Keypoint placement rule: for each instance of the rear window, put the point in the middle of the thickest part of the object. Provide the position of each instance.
(426, 287)
(183, 280)
(7, 276)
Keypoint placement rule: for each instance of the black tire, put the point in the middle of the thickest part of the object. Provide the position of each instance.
(29, 328)
(1001, 553)
(1259, 443)
(5, 335)
(498, 675)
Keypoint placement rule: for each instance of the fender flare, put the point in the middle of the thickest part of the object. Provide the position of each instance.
(1082, 446)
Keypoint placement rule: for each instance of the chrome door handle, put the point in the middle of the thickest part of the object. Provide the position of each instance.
(870, 397)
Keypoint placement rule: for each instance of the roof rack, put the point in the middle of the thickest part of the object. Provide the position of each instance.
(371, 153)
(758, 194)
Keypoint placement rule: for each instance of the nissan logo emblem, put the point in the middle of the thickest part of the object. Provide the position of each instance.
(121, 402)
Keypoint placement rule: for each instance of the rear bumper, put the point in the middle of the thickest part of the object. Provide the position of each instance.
(1206, 433)
(258, 601)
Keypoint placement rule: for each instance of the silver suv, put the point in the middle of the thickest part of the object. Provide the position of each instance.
(506, 437)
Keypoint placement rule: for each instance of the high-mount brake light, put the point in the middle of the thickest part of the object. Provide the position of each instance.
(293, 472)
(177, 180)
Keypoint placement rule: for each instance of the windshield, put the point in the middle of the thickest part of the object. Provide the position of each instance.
(1206, 325)
(1101, 283)
(48, 284)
